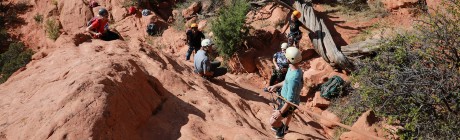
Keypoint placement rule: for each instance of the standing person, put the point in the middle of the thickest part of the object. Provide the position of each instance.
(280, 65)
(194, 37)
(99, 27)
(203, 65)
(290, 90)
(295, 34)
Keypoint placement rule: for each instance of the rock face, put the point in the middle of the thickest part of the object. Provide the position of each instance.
(139, 88)
(331, 116)
(194, 8)
(319, 73)
(366, 122)
(395, 4)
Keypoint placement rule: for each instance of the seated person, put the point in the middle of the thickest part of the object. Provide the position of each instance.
(99, 27)
(203, 65)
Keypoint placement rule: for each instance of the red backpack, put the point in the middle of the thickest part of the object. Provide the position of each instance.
(132, 10)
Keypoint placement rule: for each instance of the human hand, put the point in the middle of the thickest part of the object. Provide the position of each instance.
(271, 88)
(98, 35)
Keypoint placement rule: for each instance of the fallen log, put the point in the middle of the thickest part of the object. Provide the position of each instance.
(323, 43)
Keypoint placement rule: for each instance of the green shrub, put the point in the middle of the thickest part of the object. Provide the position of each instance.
(14, 58)
(179, 23)
(38, 18)
(52, 29)
(421, 94)
(129, 3)
(440, 33)
(413, 81)
(229, 27)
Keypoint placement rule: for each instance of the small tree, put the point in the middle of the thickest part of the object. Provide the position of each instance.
(16, 57)
(229, 27)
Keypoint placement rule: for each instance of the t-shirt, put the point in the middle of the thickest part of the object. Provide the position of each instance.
(295, 26)
(99, 25)
(293, 83)
(281, 59)
(201, 62)
(194, 39)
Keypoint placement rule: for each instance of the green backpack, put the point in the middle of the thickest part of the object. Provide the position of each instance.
(332, 87)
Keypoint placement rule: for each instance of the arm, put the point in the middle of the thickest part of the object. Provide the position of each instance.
(274, 62)
(207, 68)
(285, 28)
(272, 88)
(90, 30)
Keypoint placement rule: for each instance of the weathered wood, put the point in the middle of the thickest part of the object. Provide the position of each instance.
(361, 48)
(323, 42)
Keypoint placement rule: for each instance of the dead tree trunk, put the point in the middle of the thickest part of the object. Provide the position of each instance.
(323, 42)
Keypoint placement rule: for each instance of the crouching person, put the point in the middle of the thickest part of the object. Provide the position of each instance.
(290, 91)
(202, 62)
(98, 27)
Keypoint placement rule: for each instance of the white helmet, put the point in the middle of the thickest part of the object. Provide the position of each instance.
(206, 42)
(284, 46)
(293, 55)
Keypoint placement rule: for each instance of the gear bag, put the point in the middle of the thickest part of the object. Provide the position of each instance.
(332, 87)
(151, 29)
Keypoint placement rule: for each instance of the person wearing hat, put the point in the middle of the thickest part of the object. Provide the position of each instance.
(202, 63)
(290, 91)
(280, 65)
(99, 27)
(194, 37)
(295, 34)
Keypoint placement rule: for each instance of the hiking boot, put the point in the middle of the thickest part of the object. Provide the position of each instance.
(274, 129)
(281, 132)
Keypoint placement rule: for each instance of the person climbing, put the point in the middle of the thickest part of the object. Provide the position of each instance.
(280, 65)
(290, 91)
(98, 27)
(295, 34)
(203, 65)
(194, 37)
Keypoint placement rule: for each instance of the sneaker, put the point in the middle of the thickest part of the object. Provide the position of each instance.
(274, 129)
(281, 132)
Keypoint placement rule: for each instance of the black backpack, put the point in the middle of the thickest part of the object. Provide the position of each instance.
(151, 29)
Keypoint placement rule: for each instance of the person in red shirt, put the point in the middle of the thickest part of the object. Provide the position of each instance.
(99, 28)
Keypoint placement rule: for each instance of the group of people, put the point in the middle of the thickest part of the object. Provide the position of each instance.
(286, 79)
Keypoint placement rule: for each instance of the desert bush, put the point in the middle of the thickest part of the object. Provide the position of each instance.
(413, 81)
(52, 29)
(14, 58)
(38, 18)
(229, 27)
(440, 33)
(129, 3)
(411, 90)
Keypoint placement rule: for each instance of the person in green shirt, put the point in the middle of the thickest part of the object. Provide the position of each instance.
(290, 90)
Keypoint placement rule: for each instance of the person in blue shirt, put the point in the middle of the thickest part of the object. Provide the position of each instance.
(290, 91)
(280, 66)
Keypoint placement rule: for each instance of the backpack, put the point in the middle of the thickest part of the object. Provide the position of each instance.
(132, 10)
(332, 87)
(145, 12)
(151, 29)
